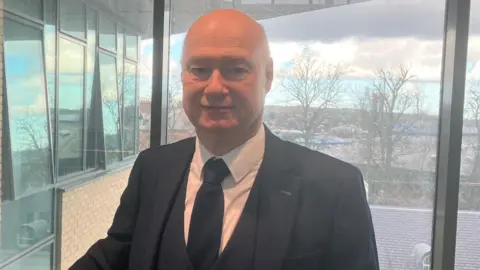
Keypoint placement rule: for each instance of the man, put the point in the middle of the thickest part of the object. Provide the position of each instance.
(236, 196)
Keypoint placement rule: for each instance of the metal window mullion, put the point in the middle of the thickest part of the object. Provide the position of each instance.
(85, 116)
(161, 35)
(8, 182)
(450, 134)
(57, 91)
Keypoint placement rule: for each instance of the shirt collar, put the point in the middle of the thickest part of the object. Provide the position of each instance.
(240, 161)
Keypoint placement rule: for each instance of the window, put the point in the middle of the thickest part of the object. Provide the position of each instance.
(110, 107)
(129, 109)
(30, 8)
(40, 260)
(362, 91)
(27, 108)
(91, 69)
(70, 112)
(468, 215)
(73, 17)
(145, 93)
(25, 222)
(132, 46)
(108, 33)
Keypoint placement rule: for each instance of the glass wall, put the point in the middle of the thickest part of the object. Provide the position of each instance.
(363, 85)
(468, 224)
(70, 110)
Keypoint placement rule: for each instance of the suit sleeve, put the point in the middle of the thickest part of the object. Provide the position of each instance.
(353, 243)
(112, 253)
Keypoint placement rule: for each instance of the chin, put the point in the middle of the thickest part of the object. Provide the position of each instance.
(218, 125)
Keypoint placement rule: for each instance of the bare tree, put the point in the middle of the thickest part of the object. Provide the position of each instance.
(390, 106)
(33, 152)
(174, 104)
(129, 108)
(313, 86)
(472, 109)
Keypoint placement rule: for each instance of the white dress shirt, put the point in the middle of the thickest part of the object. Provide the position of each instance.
(243, 162)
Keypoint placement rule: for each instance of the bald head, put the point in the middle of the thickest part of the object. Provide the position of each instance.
(226, 73)
(224, 27)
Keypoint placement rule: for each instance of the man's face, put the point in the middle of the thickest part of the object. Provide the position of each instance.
(225, 76)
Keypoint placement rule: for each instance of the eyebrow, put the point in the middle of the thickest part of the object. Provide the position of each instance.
(221, 58)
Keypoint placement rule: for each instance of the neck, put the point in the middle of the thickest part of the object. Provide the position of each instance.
(219, 143)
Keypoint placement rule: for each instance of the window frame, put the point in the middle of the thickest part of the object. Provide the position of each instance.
(9, 192)
(69, 181)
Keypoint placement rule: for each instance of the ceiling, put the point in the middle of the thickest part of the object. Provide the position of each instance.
(138, 14)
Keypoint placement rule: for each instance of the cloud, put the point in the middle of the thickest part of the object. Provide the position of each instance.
(422, 19)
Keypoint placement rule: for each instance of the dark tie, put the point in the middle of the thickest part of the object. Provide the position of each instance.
(206, 222)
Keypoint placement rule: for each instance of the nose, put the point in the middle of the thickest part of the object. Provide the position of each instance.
(215, 83)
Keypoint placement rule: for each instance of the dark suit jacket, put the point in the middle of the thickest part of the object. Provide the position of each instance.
(313, 212)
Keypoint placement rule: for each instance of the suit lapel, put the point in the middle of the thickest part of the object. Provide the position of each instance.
(278, 205)
(171, 169)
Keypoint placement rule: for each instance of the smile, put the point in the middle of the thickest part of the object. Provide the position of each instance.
(217, 107)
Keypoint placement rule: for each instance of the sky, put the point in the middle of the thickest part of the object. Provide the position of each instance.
(363, 38)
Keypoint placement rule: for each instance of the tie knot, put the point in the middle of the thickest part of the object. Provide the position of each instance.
(215, 171)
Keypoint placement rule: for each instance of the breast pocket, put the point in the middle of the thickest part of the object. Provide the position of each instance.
(310, 261)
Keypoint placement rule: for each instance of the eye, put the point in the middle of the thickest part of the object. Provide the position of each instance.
(235, 72)
(201, 72)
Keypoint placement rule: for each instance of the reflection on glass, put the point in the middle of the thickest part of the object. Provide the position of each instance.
(70, 111)
(25, 222)
(468, 217)
(107, 33)
(92, 146)
(144, 93)
(40, 260)
(72, 18)
(110, 107)
(129, 109)
(27, 107)
(132, 47)
(363, 92)
(120, 60)
(30, 8)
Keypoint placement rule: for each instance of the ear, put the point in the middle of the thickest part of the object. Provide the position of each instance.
(268, 75)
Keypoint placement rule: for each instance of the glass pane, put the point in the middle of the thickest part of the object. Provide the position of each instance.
(108, 33)
(40, 260)
(120, 60)
(25, 222)
(361, 91)
(129, 109)
(120, 63)
(92, 145)
(27, 107)
(468, 219)
(132, 46)
(70, 111)
(72, 17)
(31, 8)
(110, 108)
(145, 91)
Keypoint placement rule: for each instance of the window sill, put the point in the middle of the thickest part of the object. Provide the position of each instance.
(83, 179)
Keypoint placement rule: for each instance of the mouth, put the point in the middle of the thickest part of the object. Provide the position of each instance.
(217, 107)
